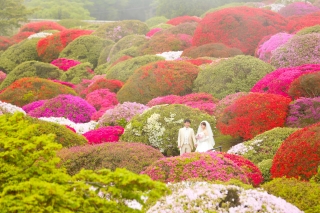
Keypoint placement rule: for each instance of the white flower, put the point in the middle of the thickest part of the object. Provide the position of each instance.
(170, 56)
(9, 108)
(40, 35)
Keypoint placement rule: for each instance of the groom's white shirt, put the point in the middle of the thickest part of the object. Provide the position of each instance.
(186, 133)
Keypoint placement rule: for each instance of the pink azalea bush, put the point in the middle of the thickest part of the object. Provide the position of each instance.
(68, 84)
(104, 134)
(264, 51)
(68, 106)
(227, 101)
(2, 76)
(279, 81)
(121, 114)
(298, 9)
(32, 106)
(64, 63)
(153, 31)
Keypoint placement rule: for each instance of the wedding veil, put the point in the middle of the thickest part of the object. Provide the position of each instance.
(210, 132)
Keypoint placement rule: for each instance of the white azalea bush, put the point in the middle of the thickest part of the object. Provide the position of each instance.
(171, 56)
(201, 197)
(9, 108)
(39, 35)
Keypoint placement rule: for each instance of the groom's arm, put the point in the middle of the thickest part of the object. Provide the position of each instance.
(179, 142)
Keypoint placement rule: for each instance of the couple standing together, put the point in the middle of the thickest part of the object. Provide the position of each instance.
(203, 140)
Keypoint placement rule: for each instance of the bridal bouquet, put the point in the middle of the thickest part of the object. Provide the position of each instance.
(199, 136)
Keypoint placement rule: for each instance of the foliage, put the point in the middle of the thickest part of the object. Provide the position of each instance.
(302, 194)
(307, 85)
(134, 157)
(265, 167)
(104, 54)
(238, 27)
(253, 114)
(128, 53)
(158, 79)
(64, 63)
(309, 30)
(68, 106)
(5, 42)
(159, 126)
(31, 69)
(230, 5)
(17, 54)
(237, 74)
(124, 70)
(49, 48)
(119, 29)
(183, 19)
(85, 49)
(215, 50)
(152, 22)
(37, 27)
(104, 134)
(72, 23)
(298, 9)
(28, 90)
(77, 73)
(299, 154)
(163, 26)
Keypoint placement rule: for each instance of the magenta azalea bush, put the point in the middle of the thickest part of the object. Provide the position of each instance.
(264, 51)
(304, 112)
(278, 81)
(104, 134)
(64, 63)
(67, 106)
(227, 101)
(68, 84)
(153, 31)
(121, 114)
(32, 106)
(298, 9)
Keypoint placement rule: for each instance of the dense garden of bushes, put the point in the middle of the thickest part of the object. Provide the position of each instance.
(89, 116)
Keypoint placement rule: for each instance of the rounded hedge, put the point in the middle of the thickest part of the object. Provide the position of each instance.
(72, 23)
(102, 83)
(77, 73)
(265, 167)
(32, 69)
(159, 126)
(37, 27)
(309, 30)
(237, 74)
(238, 27)
(17, 54)
(28, 90)
(163, 26)
(158, 79)
(296, 23)
(85, 49)
(253, 114)
(297, 51)
(119, 29)
(307, 85)
(151, 22)
(104, 54)
(299, 154)
(123, 70)
(298, 9)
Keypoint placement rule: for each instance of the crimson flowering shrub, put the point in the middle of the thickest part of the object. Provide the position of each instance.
(104, 134)
(299, 155)
(68, 84)
(103, 83)
(296, 23)
(184, 28)
(153, 31)
(253, 114)
(264, 51)
(21, 36)
(216, 50)
(210, 166)
(227, 101)
(307, 85)
(41, 26)
(29, 107)
(50, 47)
(158, 79)
(182, 19)
(238, 27)
(304, 112)
(298, 9)
(279, 81)
(68, 106)
(198, 61)
(64, 63)
(5, 42)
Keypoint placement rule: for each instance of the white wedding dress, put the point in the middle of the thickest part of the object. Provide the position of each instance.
(205, 143)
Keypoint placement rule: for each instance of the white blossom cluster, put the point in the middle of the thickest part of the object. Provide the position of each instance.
(274, 7)
(9, 108)
(39, 35)
(242, 148)
(154, 130)
(80, 128)
(203, 197)
(170, 56)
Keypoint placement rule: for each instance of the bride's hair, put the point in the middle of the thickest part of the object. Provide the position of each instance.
(204, 124)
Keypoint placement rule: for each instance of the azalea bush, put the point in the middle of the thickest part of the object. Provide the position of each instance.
(265, 167)
(253, 114)
(28, 90)
(5, 42)
(104, 134)
(158, 79)
(71, 107)
(182, 19)
(296, 23)
(64, 63)
(102, 83)
(2, 76)
(298, 9)
(77, 73)
(279, 81)
(151, 22)
(29, 107)
(198, 61)
(238, 27)
(237, 74)
(104, 54)
(153, 31)
(127, 42)
(216, 50)
(121, 114)
(309, 30)
(9, 108)
(183, 28)
(307, 85)
(171, 55)
(37, 27)
(299, 155)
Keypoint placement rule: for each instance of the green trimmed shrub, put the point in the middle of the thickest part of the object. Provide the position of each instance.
(309, 30)
(32, 69)
(163, 26)
(316, 178)
(159, 126)
(85, 49)
(215, 50)
(19, 53)
(119, 29)
(102, 69)
(77, 73)
(265, 167)
(134, 157)
(123, 70)
(104, 54)
(72, 23)
(132, 52)
(92, 26)
(304, 195)
(187, 28)
(151, 22)
(237, 74)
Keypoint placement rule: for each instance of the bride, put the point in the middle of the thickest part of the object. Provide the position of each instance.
(205, 141)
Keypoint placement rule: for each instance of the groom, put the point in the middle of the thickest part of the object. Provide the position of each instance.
(186, 138)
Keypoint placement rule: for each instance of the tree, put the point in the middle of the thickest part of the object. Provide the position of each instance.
(12, 13)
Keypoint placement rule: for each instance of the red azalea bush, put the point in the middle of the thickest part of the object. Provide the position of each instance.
(238, 27)
(21, 36)
(64, 63)
(279, 81)
(298, 9)
(252, 171)
(104, 134)
(153, 31)
(183, 19)
(307, 85)
(5, 42)
(296, 23)
(159, 79)
(254, 114)
(41, 26)
(299, 155)
(198, 61)
(103, 83)
(49, 48)
(227, 101)
(216, 50)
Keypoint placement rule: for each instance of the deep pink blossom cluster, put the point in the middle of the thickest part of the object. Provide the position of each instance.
(298, 9)
(64, 63)
(104, 134)
(68, 84)
(2, 76)
(72, 129)
(30, 107)
(153, 31)
(278, 81)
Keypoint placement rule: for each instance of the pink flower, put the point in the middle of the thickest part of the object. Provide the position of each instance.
(105, 134)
